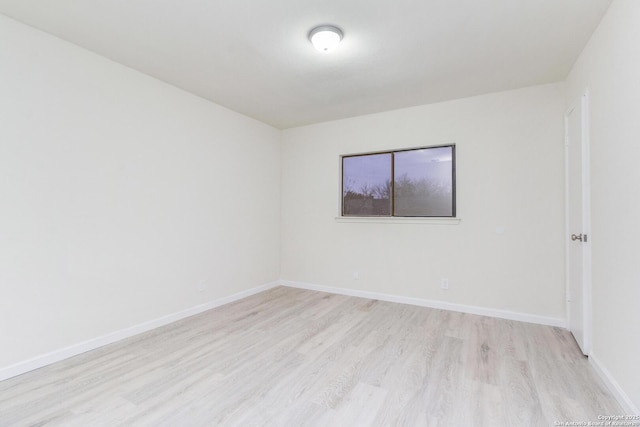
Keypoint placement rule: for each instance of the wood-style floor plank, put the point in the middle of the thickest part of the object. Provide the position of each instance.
(291, 357)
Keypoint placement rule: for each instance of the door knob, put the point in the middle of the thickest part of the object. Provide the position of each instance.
(581, 237)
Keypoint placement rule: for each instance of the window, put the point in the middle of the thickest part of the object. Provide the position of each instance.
(416, 182)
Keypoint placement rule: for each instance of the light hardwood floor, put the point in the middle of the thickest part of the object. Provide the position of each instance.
(291, 357)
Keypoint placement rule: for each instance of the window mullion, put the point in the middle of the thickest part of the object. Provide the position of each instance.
(393, 182)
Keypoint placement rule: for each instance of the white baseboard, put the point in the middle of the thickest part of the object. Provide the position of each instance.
(482, 311)
(94, 343)
(627, 405)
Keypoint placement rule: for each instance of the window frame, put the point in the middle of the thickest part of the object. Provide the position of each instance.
(392, 179)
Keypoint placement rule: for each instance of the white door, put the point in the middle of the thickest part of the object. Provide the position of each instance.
(577, 234)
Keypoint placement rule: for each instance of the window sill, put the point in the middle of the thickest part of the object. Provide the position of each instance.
(399, 220)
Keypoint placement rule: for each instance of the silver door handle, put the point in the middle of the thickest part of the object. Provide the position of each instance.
(581, 237)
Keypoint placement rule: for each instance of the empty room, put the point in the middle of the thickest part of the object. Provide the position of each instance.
(339, 213)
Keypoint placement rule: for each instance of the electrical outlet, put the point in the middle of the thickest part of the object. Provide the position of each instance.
(201, 284)
(444, 283)
(356, 275)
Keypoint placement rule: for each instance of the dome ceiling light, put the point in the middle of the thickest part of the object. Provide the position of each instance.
(325, 38)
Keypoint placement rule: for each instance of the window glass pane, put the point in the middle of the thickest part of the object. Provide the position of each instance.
(366, 185)
(423, 181)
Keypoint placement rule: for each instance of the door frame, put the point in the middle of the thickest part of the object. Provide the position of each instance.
(583, 101)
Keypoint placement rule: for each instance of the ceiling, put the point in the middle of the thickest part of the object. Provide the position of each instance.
(253, 56)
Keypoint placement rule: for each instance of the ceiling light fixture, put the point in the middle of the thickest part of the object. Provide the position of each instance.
(325, 37)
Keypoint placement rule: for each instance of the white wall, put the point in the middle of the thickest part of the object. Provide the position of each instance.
(510, 176)
(610, 68)
(118, 194)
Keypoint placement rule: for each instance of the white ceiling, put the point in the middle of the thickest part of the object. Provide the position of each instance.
(253, 56)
